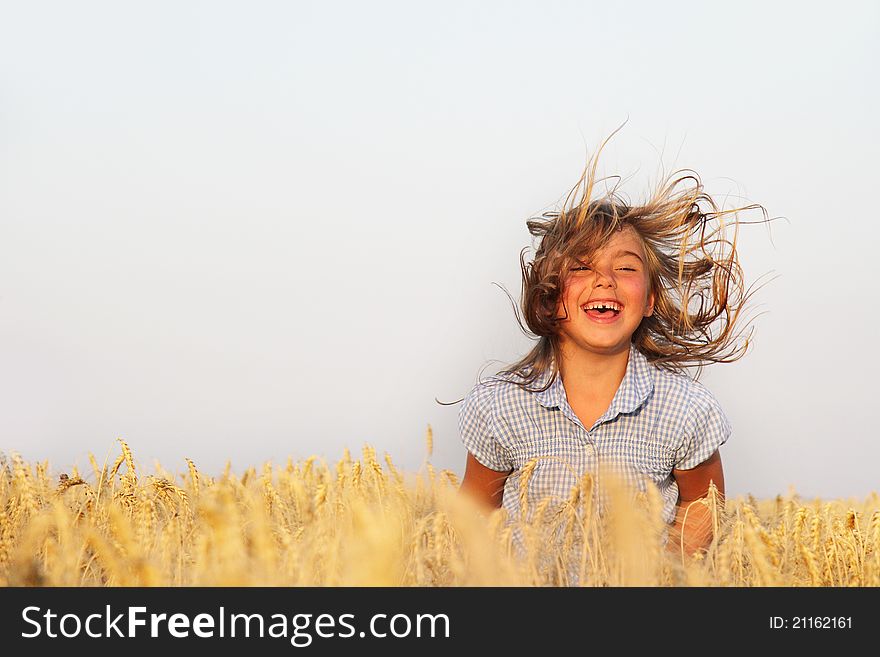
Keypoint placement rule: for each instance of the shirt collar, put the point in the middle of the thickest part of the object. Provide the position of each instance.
(634, 389)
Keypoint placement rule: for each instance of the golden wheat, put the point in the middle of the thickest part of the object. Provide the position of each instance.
(359, 522)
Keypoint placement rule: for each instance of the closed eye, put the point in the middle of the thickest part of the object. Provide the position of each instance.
(588, 268)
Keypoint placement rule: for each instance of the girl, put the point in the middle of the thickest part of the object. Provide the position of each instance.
(621, 298)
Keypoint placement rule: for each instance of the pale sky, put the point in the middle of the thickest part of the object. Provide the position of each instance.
(256, 230)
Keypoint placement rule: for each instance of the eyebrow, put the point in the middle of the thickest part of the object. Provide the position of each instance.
(630, 253)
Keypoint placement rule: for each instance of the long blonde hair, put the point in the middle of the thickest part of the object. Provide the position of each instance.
(692, 265)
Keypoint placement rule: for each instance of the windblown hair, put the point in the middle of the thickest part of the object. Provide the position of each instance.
(692, 265)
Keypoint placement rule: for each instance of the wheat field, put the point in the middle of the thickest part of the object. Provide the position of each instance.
(362, 522)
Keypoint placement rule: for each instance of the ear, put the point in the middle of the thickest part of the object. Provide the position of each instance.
(650, 308)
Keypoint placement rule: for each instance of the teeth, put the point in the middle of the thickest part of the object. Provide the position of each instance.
(602, 305)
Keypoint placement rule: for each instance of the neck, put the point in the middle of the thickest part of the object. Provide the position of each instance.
(588, 374)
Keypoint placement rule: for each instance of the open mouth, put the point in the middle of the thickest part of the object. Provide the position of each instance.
(602, 310)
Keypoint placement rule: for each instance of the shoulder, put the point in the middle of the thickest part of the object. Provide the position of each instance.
(480, 398)
(489, 393)
(504, 401)
(701, 400)
(679, 385)
(707, 412)
(677, 394)
(703, 411)
(491, 419)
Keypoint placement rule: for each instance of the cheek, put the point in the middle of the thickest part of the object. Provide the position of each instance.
(570, 296)
(574, 290)
(638, 289)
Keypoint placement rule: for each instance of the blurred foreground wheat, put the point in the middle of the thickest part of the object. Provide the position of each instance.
(362, 522)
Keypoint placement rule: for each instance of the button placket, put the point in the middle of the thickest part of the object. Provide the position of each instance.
(569, 413)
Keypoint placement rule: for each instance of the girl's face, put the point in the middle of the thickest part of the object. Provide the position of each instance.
(606, 297)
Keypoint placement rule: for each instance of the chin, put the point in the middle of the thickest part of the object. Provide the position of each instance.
(611, 348)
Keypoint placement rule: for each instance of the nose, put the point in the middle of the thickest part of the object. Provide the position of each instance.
(604, 278)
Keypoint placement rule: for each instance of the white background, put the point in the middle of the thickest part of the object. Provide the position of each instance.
(256, 230)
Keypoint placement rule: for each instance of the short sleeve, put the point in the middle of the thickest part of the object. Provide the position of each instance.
(706, 429)
(477, 429)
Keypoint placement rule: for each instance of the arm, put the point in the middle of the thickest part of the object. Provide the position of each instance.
(482, 484)
(695, 532)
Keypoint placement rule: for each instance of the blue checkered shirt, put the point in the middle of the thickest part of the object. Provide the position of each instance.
(658, 421)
